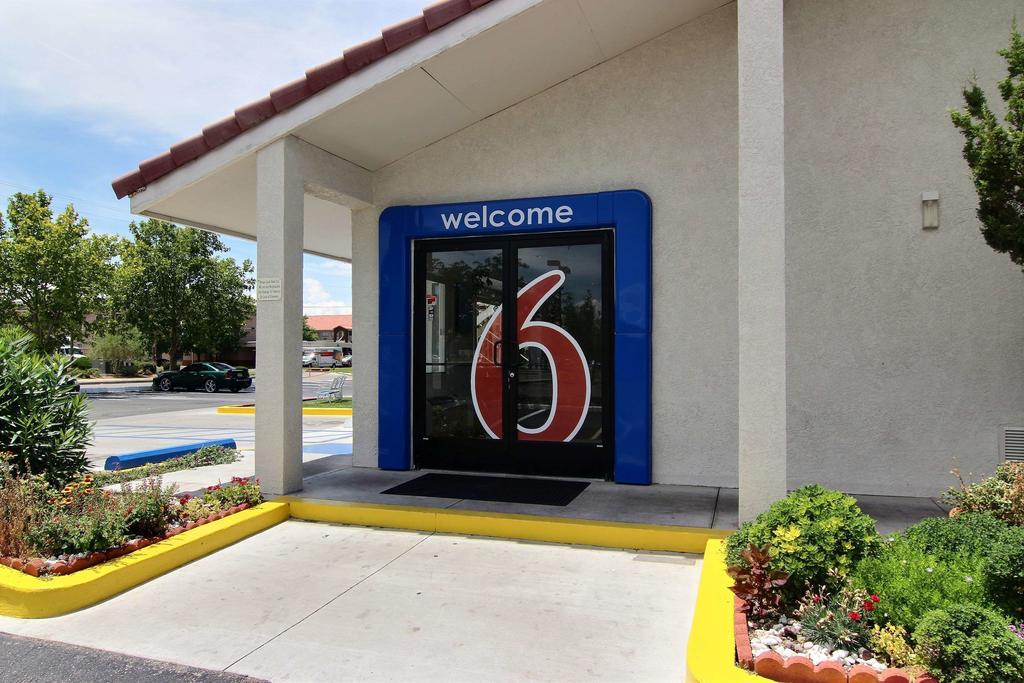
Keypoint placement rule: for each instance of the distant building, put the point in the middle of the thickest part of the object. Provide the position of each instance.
(335, 328)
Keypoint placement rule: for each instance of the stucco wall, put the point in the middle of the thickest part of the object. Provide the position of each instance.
(903, 345)
(658, 119)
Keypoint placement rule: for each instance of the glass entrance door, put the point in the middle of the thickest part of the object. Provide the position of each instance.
(512, 356)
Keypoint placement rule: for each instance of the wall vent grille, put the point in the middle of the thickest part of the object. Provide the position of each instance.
(1013, 443)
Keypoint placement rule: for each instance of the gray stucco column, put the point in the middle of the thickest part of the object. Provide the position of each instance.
(279, 228)
(762, 257)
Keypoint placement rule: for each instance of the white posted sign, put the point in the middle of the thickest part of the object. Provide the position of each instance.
(268, 289)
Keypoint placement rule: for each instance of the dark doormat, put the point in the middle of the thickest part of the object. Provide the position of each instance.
(498, 489)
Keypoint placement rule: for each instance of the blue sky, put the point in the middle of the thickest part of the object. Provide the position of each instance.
(89, 89)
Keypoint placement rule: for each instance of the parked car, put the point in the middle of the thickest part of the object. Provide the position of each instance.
(72, 352)
(346, 360)
(210, 377)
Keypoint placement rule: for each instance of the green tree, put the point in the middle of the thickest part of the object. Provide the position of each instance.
(53, 274)
(174, 288)
(224, 307)
(121, 347)
(995, 154)
(308, 333)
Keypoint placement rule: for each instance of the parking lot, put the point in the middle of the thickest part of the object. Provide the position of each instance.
(134, 417)
(138, 398)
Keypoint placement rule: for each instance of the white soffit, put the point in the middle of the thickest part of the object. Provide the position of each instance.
(390, 110)
(520, 57)
(225, 202)
(385, 123)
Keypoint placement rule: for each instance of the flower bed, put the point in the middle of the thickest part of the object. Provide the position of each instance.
(822, 597)
(44, 531)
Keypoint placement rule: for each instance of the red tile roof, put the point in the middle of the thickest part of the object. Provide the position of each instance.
(329, 322)
(288, 95)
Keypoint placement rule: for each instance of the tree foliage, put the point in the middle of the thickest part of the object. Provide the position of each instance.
(308, 333)
(53, 274)
(121, 347)
(993, 151)
(173, 286)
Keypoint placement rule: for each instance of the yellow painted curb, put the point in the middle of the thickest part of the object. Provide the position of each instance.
(29, 597)
(711, 651)
(251, 410)
(502, 525)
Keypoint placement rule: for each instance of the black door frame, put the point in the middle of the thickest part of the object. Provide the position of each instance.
(509, 454)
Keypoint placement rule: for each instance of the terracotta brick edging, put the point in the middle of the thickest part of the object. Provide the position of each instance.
(34, 567)
(800, 669)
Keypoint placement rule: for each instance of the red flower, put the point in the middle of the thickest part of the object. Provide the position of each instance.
(869, 606)
(855, 616)
(875, 598)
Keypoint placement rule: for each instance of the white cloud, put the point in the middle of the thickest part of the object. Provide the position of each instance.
(138, 68)
(318, 300)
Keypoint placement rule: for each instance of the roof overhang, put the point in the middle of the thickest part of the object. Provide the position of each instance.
(488, 60)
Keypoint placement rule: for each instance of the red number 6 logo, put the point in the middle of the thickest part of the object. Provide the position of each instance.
(570, 375)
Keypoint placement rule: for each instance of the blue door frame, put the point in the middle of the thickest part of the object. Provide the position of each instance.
(627, 212)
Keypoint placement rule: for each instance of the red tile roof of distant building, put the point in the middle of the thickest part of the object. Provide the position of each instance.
(288, 95)
(329, 322)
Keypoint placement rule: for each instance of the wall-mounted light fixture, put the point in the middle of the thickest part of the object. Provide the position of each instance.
(930, 210)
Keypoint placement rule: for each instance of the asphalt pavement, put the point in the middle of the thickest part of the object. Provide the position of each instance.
(124, 400)
(31, 659)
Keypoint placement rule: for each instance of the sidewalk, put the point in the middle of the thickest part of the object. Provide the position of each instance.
(316, 602)
(115, 380)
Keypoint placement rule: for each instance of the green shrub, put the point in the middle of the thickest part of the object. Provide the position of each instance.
(969, 644)
(240, 490)
(43, 420)
(816, 536)
(1003, 571)
(894, 642)
(82, 363)
(1002, 494)
(912, 582)
(127, 368)
(971, 533)
(147, 507)
(65, 534)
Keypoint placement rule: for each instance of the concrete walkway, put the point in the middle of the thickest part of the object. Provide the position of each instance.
(705, 507)
(315, 602)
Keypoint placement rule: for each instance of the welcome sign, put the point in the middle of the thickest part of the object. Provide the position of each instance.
(514, 215)
(499, 218)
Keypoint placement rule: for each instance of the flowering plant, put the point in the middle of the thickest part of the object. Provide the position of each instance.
(841, 619)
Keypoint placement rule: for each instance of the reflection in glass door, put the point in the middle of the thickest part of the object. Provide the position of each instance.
(513, 348)
(463, 291)
(561, 347)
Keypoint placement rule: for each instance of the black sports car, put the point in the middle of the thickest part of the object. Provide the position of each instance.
(209, 377)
